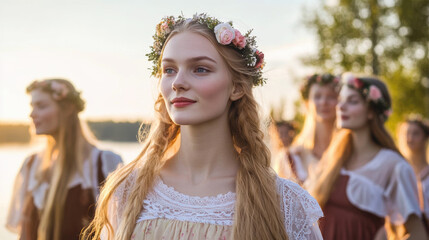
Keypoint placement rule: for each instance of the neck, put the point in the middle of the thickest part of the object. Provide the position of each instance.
(322, 138)
(56, 137)
(206, 151)
(418, 161)
(362, 141)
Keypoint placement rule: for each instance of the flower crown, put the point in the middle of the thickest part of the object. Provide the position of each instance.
(370, 92)
(322, 79)
(59, 91)
(225, 35)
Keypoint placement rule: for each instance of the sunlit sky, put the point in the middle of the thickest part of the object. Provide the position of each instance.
(100, 45)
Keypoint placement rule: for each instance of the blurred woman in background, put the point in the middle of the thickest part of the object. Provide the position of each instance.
(363, 181)
(413, 137)
(282, 134)
(319, 93)
(55, 190)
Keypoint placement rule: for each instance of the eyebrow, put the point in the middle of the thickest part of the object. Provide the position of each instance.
(354, 95)
(37, 102)
(195, 59)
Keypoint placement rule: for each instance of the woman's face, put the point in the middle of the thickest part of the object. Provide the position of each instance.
(195, 84)
(286, 134)
(322, 100)
(416, 139)
(45, 113)
(352, 109)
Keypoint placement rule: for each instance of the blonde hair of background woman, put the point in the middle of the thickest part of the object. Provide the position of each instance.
(341, 148)
(402, 134)
(73, 144)
(257, 212)
(307, 137)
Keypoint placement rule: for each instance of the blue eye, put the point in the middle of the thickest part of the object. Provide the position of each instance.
(168, 70)
(201, 70)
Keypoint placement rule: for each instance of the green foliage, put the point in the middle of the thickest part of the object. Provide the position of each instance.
(385, 38)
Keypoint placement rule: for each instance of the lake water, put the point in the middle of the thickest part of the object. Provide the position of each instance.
(12, 156)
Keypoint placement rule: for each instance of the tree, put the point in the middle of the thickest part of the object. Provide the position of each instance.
(385, 38)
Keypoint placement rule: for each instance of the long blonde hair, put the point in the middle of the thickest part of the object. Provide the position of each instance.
(307, 137)
(341, 147)
(73, 146)
(257, 210)
(417, 120)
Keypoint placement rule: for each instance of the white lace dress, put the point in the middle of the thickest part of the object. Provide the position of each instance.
(304, 163)
(169, 214)
(26, 183)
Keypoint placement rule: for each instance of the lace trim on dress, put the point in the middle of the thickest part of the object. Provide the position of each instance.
(166, 202)
(300, 209)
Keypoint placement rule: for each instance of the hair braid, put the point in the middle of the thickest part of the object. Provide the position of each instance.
(256, 186)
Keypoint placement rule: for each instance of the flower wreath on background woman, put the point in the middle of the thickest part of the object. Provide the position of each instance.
(55, 190)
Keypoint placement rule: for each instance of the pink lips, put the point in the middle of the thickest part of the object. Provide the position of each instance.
(344, 118)
(182, 102)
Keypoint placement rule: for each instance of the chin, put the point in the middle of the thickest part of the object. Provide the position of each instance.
(180, 120)
(326, 118)
(39, 132)
(43, 132)
(345, 126)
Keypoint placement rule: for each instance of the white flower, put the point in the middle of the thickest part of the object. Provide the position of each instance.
(224, 33)
(348, 78)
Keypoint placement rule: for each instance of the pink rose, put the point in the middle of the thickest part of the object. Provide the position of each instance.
(60, 90)
(224, 33)
(350, 79)
(357, 83)
(374, 93)
(165, 28)
(239, 40)
(336, 80)
(388, 112)
(260, 59)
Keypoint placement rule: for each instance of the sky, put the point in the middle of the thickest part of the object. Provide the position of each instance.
(100, 45)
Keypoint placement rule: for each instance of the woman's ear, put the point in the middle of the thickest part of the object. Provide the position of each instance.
(69, 109)
(236, 93)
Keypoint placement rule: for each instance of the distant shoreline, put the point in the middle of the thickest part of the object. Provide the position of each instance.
(103, 130)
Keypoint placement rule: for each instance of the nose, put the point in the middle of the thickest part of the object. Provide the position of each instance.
(32, 113)
(323, 100)
(341, 106)
(180, 82)
(409, 137)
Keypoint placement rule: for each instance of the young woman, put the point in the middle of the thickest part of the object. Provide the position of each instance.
(319, 93)
(282, 134)
(413, 138)
(55, 190)
(364, 181)
(204, 172)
